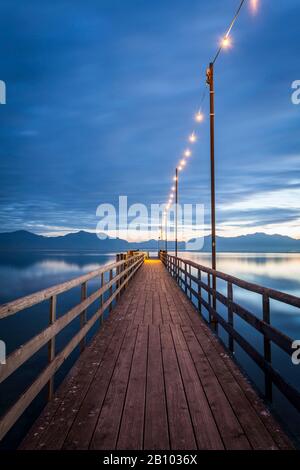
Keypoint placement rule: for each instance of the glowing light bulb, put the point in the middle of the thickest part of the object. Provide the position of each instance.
(183, 163)
(173, 188)
(187, 153)
(179, 168)
(226, 42)
(174, 179)
(193, 138)
(199, 117)
(254, 5)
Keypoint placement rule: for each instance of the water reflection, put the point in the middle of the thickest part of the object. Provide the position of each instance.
(24, 273)
(277, 271)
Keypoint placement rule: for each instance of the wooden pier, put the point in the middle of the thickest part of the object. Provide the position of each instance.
(154, 376)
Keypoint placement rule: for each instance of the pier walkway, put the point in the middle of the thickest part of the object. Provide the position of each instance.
(155, 377)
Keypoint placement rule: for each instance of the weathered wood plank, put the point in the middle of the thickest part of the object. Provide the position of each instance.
(157, 316)
(230, 429)
(81, 431)
(257, 434)
(41, 425)
(131, 434)
(107, 429)
(148, 308)
(156, 420)
(206, 432)
(180, 425)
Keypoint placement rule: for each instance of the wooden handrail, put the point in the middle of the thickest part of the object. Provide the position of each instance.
(22, 303)
(125, 271)
(184, 278)
(272, 293)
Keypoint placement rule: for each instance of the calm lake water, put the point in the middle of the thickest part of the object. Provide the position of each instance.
(24, 273)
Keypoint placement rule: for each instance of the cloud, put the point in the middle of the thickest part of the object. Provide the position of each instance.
(101, 98)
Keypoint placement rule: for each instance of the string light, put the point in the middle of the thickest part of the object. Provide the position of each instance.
(254, 5)
(187, 153)
(193, 138)
(226, 42)
(183, 163)
(199, 117)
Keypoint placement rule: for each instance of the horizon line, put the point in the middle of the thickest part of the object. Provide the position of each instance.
(144, 240)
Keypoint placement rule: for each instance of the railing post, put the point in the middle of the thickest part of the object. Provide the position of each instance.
(121, 270)
(185, 278)
(230, 314)
(51, 344)
(190, 281)
(110, 289)
(83, 314)
(199, 292)
(101, 298)
(267, 347)
(182, 273)
(209, 297)
(127, 273)
(124, 275)
(213, 301)
(118, 272)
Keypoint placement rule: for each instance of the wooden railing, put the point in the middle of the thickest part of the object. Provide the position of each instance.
(119, 274)
(182, 271)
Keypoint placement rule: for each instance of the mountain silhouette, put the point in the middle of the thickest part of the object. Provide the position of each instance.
(81, 241)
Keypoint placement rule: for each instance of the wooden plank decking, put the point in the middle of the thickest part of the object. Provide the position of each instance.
(155, 377)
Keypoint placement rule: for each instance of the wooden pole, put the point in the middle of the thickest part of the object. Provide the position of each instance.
(210, 81)
(176, 213)
(51, 344)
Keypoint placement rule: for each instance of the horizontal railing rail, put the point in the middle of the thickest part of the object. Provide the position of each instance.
(181, 270)
(120, 274)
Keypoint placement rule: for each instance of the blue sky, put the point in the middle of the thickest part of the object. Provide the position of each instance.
(101, 96)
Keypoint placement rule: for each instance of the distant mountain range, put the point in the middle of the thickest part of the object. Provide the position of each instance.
(81, 241)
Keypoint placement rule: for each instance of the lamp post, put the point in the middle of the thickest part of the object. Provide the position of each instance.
(176, 214)
(166, 231)
(210, 81)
